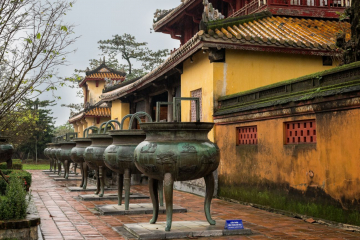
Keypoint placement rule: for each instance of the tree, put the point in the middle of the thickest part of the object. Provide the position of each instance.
(33, 128)
(131, 50)
(63, 129)
(33, 41)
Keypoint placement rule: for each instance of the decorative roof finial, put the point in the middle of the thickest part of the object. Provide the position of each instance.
(210, 14)
(104, 60)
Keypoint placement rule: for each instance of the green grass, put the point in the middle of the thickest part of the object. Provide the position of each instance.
(28, 166)
(284, 201)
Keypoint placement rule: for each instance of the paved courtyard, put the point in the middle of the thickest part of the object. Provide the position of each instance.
(65, 216)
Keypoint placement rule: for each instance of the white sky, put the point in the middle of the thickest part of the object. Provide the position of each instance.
(99, 20)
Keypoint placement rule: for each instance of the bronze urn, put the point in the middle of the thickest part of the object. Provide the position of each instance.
(64, 156)
(93, 156)
(77, 156)
(177, 151)
(6, 151)
(119, 156)
(52, 154)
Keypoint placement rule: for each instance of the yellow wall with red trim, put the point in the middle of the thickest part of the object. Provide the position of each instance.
(94, 92)
(120, 110)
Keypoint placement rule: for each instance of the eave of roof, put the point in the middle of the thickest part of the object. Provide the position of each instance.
(173, 14)
(253, 36)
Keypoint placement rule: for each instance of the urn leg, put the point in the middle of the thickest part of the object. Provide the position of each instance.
(168, 186)
(127, 177)
(82, 174)
(97, 182)
(102, 181)
(153, 189)
(75, 166)
(86, 172)
(120, 187)
(51, 164)
(55, 163)
(67, 168)
(161, 193)
(59, 168)
(210, 186)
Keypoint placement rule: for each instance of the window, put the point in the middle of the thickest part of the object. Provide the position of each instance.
(246, 135)
(300, 132)
(196, 94)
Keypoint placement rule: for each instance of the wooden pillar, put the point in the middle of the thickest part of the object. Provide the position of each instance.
(148, 101)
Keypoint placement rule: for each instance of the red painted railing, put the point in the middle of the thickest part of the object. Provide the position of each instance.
(255, 5)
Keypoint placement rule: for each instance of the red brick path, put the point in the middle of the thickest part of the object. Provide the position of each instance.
(65, 217)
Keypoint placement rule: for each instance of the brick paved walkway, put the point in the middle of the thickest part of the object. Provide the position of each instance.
(63, 216)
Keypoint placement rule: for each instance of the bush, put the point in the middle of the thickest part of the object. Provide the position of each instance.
(25, 176)
(14, 204)
(16, 164)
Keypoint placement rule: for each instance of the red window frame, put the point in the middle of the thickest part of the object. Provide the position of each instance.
(300, 132)
(246, 135)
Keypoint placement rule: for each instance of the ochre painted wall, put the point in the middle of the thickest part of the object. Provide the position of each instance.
(333, 160)
(94, 92)
(198, 74)
(242, 70)
(120, 110)
(246, 70)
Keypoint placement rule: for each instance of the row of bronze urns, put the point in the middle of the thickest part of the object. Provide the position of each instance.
(163, 151)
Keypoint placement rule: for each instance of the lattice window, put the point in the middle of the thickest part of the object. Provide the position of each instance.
(246, 135)
(300, 132)
(198, 94)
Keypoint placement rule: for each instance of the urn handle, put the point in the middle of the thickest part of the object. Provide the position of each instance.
(177, 103)
(104, 123)
(137, 115)
(112, 121)
(70, 136)
(128, 116)
(86, 131)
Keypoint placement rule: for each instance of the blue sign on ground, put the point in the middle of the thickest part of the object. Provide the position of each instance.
(234, 224)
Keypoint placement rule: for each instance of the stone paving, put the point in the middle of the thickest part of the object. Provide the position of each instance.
(65, 216)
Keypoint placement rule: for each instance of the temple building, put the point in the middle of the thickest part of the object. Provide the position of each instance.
(95, 111)
(266, 73)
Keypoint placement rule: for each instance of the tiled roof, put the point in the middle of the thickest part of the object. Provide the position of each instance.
(282, 31)
(112, 76)
(275, 34)
(173, 13)
(93, 112)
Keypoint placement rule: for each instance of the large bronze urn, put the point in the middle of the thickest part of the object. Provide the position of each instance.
(52, 154)
(56, 153)
(177, 151)
(119, 156)
(6, 151)
(77, 156)
(64, 156)
(93, 156)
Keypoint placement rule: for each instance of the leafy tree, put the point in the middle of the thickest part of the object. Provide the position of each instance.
(39, 131)
(33, 41)
(63, 129)
(130, 50)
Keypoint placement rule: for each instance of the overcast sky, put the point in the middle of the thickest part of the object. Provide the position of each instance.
(99, 20)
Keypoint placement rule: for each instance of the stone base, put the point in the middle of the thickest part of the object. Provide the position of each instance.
(50, 173)
(89, 189)
(69, 179)
(94, 197)
(181, 229)
(140, 208)
(70, 175)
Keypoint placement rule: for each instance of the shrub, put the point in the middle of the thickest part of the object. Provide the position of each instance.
(24, 175)
(15, 204)
(16, 164)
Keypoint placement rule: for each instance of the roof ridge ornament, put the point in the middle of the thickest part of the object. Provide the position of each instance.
(210, 13)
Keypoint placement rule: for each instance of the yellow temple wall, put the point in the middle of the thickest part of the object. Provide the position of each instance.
(198, 74)
(94, 91)
(246, 70)
(120, 110)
